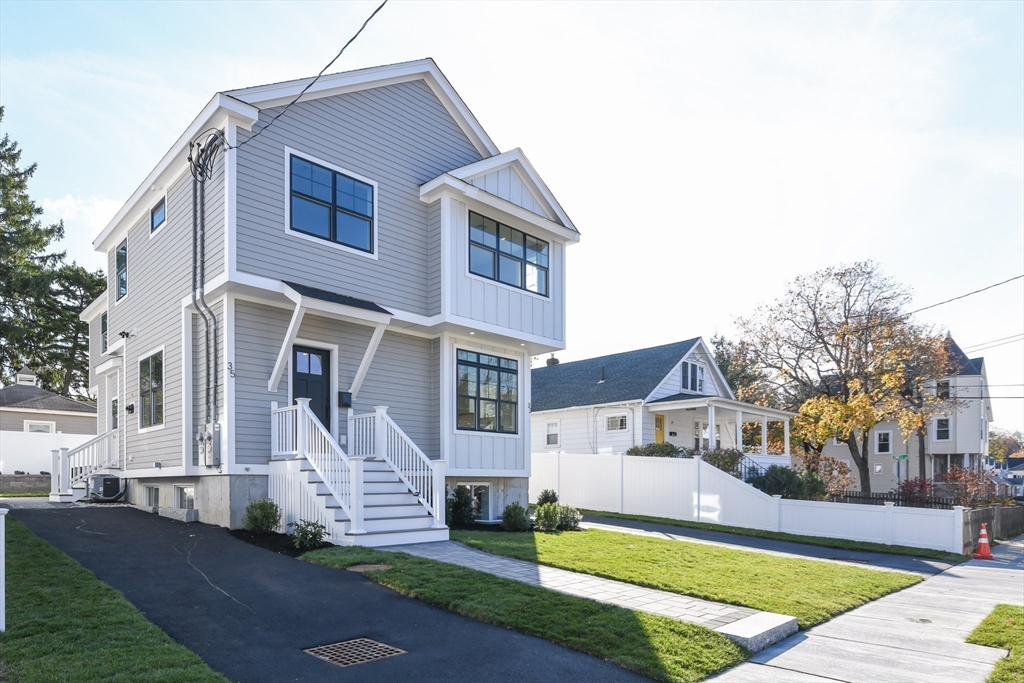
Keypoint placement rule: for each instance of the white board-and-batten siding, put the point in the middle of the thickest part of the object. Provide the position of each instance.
(399, 136)
(507, 184)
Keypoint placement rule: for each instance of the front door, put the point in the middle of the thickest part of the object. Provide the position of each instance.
(659, 429)
(311, 378)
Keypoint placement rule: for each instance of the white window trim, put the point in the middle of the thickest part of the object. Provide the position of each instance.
(289, 152)
(138, 395)
(521, 415)
(878, 434)
(615, 415)
(178, 487)
(51, 425)
(145, 494)
(558, 433)
(149, 213)
(332, 349)
(490, 498)
(113, 275)
(935, 430)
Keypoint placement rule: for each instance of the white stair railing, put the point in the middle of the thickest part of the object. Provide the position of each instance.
(361, 430)
(296, 431)
(78, 464)
(423, 476)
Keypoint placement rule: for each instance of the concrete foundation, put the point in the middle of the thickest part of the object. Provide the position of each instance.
(504, 491)
(220, 499)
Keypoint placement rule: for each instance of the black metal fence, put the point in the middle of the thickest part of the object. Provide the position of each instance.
(861, 498)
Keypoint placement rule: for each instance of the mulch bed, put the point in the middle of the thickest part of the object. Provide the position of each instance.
(274, 542)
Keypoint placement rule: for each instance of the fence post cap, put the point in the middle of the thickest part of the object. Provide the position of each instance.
(777, 495)
(3, 511)
(889, 503)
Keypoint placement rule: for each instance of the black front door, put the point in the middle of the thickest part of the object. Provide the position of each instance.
(311, 378)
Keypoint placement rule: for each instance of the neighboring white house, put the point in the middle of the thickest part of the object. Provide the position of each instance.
(372, 280)
(673, 393)
(960, 438)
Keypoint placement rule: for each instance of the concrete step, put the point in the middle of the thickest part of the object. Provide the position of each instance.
(399, 523)
(399, 537)
(404, 498)
(384, 511)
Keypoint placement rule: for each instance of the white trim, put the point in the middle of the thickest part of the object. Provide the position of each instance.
(13, 409)
(51, 425)
(615, 404)
(109, 365)
(935, 429)
(364, 364)
(332, 375)
(139, 429)
(558, 433)
(230, 197)
(98, 305)
(290, 152)
(490, 498)
(878, 434)
(522, 416)
(182, 487)
(283, 355)
(152, 231)
(708, 360)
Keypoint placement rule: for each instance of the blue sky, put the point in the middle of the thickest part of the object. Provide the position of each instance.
(708, 152)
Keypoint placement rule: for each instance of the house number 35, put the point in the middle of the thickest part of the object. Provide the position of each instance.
(231, 369)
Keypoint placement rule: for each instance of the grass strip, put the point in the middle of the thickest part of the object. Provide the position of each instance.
(64, 624)
(24, 494)
(809, 590)
(840, 543)
(658, 647)
(1004, 628)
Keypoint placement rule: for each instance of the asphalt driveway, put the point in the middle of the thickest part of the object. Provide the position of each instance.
(249, 613)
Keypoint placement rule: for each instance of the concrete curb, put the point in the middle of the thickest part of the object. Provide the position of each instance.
(760, 631)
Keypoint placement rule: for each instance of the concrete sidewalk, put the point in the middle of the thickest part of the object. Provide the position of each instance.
(750, 628)
(915, 635)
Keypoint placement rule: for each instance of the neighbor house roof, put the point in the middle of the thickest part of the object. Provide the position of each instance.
(962, 365)
(26, 397)
(629, 376)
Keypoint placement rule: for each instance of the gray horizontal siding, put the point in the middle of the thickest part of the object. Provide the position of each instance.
(259, 331)
(11, 421)
(400, 136)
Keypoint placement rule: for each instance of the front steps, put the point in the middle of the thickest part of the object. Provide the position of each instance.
(392, 515)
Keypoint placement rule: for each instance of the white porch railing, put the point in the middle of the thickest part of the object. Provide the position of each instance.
(296, 431)
(361, 432)
(76, 465)
(423, 476)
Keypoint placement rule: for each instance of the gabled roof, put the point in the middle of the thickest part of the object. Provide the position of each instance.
(629, 376)
(26, 397)
(962, 365)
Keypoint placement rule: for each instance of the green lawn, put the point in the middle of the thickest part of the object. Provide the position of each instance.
(840, 543)
(23, 494)
(1003, 628)
(63, 624)
(809, 590)
(658, 647)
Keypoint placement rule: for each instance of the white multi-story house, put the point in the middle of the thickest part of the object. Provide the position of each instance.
(348, 327)
(665, 394)
(959, 438)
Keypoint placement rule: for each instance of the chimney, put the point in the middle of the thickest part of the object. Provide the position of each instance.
(551, 361)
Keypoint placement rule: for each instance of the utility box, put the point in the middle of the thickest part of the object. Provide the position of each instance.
(209, 445)
(104, 486)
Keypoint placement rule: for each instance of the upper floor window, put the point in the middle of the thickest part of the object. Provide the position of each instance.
(331, 206)
(121, 269)
(151, 390)
(942, 390)
(498, 252)
(616, 423)
(552, 434)
(487, 393)
(693, 377)
(883, 442)
(942, 429)
(158, 215)
(103, 333)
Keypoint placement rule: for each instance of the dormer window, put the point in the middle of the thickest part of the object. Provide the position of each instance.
(502, 253)
(693, 377)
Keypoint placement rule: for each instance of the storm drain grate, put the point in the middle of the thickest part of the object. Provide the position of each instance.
(358, 651)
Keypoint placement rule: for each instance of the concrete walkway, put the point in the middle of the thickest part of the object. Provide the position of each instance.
(915, 635)
(752, 629)
(804, 551)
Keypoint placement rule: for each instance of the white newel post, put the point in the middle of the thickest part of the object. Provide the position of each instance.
(764, 435)
(65, 471)
(890, 514)
(356, 494)
(739, 430)
(275, 438)
(54, 473)
(380, 446)
(3, 569)
(958, 529)
(440, 493)
(712, 441)
(778, 512)
(301, 434)
(785, 431)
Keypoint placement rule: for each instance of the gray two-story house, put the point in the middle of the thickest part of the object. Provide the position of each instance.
(340, 317)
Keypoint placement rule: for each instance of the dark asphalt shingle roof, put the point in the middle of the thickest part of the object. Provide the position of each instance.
(33, 398)
(628, 376)
(962, 365)
(336, 298)
(681, 396)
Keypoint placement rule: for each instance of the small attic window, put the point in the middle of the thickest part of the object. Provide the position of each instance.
(158, 215)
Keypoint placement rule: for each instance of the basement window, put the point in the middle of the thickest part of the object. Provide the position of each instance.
(481, 494)
(185, 497)
(152, 496)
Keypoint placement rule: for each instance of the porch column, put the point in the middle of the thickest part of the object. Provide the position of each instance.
(739, 430)
(785, 432)
(764, 435)
(712, 442)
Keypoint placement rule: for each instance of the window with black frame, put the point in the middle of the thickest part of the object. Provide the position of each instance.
(103, 333)
(487, 393)
(121, 269)
(502, 253)
(151, 390)
(331, 205)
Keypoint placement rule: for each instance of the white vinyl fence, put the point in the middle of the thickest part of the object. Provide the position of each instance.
(690, 489)
(31, 452)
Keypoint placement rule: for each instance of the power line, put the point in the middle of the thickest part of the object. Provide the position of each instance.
(963, 296)
(986, 348)
(986, 343)
(310, 84)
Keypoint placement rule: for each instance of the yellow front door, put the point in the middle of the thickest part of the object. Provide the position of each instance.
(659, 429)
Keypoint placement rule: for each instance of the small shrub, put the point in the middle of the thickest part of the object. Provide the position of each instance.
(547, 517)
(659, 450)
(916, 490)
(261, 516)
(45, 474)
(307, 535)
(18, 472)
(514, 518)
(790, 483)
(460, 507)
(569, 518)
(547, 496)
(725, 459)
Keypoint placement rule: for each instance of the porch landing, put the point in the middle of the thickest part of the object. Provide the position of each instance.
(750, 628)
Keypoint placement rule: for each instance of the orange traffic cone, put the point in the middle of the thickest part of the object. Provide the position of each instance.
(984, 552)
